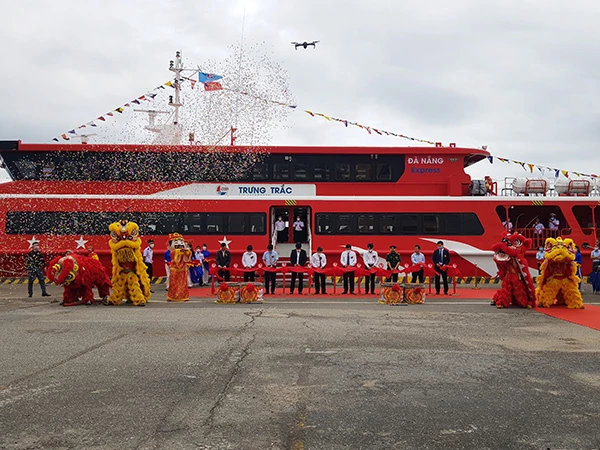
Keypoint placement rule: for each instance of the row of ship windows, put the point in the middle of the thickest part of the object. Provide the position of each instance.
(96, 223)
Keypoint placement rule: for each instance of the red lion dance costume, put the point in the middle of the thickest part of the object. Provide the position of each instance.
(558, 280)
(517, 284)
(78, 274)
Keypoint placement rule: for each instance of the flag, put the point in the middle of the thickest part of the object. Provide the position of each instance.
(530, 167)
(119, 110)
(168, 83)
(55, 139)
(193, 83)
(102, 119)
(565, 173)
(491, 159)
(208, 77)
(65, 137)
(213, 86)
(135, 101)
(72, 132)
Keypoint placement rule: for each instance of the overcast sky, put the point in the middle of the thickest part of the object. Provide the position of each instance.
(518, 76)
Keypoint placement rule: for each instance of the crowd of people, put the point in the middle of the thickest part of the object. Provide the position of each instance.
(317, 262)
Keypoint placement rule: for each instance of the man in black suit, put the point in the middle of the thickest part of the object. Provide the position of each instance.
(441, 257)
(298, 258)
(223, 260)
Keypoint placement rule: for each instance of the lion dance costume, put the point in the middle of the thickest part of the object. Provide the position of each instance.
(78, 274)
(181, 259)
(129, 278)
(558, 280)
(517, 284)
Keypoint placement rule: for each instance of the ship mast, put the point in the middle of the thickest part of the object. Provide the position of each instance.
(176, 67)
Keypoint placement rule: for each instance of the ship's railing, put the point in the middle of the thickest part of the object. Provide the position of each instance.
(543, 187)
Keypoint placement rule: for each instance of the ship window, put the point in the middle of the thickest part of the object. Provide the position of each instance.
(257, 223)
(362, 172)
(342, 172)
(300, 172)
(431, 224)
(281, 171)
(384, 172)
(441, 224)
(344, 224)
(193, 223)
(236, 224)
(26, 168)
(260, 171)
(214, 223)
(387, 224)
(409, 224)
(321, 172)
(324, 224)
(169, 223)
(366, 223)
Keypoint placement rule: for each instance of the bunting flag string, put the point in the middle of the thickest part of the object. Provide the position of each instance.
(542, 169)
(149, 96)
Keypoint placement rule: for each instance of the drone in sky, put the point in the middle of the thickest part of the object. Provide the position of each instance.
(305, 44)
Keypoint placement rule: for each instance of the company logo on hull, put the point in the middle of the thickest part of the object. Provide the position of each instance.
(222, 190)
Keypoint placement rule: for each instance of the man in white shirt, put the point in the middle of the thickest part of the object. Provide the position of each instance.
(148, 256)
(280, 230)
(418, 258)
(508, 226)
(595, 255)
(348, 260)
(538, 232)
(270, 258)
(370, 258)
(249, 262)
(299, 230)
(318, 261)
(553, 224)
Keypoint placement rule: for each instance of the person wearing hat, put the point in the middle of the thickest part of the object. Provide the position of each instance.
(270, 258)
(298, 258)
(223, 261)
(393, 260)
(539, 257)
(348, 260)
(553, 224)
(441, 259)
(370, 258)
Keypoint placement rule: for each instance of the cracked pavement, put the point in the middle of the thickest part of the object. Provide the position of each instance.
(318, 375)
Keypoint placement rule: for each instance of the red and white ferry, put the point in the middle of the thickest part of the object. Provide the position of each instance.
(65, 195)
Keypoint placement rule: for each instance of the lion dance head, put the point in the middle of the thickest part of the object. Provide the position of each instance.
(129, 277)
(63, 270)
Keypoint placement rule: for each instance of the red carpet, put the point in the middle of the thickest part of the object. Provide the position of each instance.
(588, 317)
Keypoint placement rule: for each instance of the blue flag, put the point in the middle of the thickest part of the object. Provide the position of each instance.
(208, 77)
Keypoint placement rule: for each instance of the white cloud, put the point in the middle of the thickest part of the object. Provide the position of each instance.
(519, 76)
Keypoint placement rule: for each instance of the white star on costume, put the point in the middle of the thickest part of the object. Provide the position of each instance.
(32, 241)
(225, 241)
(81, 242)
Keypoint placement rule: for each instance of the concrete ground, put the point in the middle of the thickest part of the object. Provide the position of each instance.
(308, 373)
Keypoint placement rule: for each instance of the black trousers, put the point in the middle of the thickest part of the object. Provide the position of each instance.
(349, 280)
(319, 283)
(248, 276)
(393, 278)
(444, 275)
(420, 275)
(224, 274)
(149, 270)
(370, 280)
(270, 282)
(300, 277)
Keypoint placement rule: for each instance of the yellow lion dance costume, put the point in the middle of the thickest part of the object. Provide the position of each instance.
(129, 278)
(558, 278)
